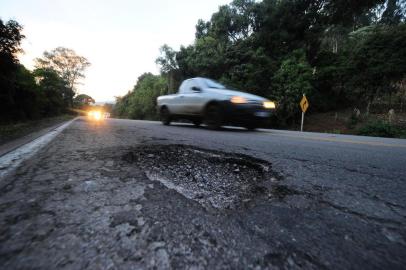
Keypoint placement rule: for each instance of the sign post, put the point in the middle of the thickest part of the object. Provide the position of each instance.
(304, 104)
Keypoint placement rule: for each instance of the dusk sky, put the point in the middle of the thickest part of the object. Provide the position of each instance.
(120, 38)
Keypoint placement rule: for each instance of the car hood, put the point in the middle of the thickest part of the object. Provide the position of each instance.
(231, 93)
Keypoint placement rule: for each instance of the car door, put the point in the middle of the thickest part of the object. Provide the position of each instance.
(178, 105)
(193, 97)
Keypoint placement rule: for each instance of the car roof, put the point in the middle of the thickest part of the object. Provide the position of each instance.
(199, 78)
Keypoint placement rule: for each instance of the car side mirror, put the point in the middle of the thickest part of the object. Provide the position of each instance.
(196, 89)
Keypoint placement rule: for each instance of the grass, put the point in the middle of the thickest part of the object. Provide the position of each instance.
(343, 122)
(382, 129)
(13, 131)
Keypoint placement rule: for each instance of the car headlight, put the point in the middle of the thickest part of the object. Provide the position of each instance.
(269, 105)
(238, 100)
(97, 115)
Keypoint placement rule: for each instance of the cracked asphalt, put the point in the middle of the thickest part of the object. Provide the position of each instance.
(128, 194)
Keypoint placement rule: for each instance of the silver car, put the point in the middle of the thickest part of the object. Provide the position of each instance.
(205, 100)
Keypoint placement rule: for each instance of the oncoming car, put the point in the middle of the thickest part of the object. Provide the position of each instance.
(95, 115)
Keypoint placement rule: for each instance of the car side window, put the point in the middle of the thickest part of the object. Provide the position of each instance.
(193, 84)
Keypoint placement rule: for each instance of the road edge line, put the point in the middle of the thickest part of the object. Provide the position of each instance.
(12, 159)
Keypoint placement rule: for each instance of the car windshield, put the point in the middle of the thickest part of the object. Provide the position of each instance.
(213, 84)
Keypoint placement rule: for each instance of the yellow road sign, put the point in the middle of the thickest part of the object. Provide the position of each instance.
(304, 104)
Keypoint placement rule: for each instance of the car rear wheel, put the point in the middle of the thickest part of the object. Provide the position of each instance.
(251, 127)
(213, 116)
(165, 116)
(197, 122)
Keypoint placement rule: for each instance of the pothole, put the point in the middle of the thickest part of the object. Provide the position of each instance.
(216, 180)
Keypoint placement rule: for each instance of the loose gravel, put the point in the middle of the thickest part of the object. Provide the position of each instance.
(216, 180)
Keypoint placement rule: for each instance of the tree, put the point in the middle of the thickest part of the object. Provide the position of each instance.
(249, 69)
(293, 79)
(10, 40)
(140, 103)
(377, 62)
(202, 28)
(83, 102)
(394, 12)
(233, 22)
(206, 58)
(57, 91)
(28, 97)
(83, 99)
(169, 67)
(349, 13)
(66, 63)
(167, 59)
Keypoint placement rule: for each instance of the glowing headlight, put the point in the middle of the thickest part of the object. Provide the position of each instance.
(97, 115)
(238, 100)
(269, 105)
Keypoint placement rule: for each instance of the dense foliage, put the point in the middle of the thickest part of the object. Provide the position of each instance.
(46, 91)
(140, 103)
(382, 129)
(340, 53)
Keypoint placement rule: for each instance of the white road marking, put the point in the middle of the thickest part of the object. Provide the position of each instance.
(13, 159)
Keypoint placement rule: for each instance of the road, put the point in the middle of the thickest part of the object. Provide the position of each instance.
(125, 194)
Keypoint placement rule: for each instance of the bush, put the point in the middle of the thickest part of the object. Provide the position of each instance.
(140, 103)
(291, 81)
(381, 129)
(352, 121)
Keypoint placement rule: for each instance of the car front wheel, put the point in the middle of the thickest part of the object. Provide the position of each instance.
(213, 117)
(165, 116)
(197, 122)
(250, 127)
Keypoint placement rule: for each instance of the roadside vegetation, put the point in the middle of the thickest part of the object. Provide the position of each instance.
(347, 122)
(140, 102)
(11, 131)
(47, 91)
(341, 54)
(382, 129)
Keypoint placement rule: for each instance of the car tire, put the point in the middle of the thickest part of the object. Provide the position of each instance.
(251, 127)
(197, 123)
(165, 116)
(213, 116)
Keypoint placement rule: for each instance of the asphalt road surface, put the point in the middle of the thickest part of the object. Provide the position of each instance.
(127, 194)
